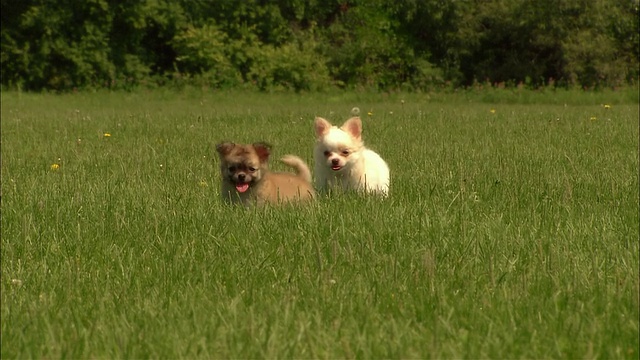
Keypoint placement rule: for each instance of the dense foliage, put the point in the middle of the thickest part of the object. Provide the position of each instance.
(312, 44)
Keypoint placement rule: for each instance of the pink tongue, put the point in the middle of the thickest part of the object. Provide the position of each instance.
(336, 167)
(242, 187)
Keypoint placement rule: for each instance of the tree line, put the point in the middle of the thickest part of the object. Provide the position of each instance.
(308, 45)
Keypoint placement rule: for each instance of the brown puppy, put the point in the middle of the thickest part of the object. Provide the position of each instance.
(246, 178)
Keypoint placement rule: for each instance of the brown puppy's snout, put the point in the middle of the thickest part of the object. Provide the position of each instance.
(242, 177)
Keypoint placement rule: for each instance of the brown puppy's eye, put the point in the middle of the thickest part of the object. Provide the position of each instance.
(327, 153)
(232, 168)
(252, 169)
(345, 152)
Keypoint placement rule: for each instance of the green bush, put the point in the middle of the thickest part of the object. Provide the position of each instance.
(204, 51)
(598, 53)
(58, 45)
(364, 49)
(295, 66)
(307, 45)
(564, 41)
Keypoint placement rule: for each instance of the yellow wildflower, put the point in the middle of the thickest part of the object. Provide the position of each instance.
(607, 106)
(370, 113)
(55, 167)
(107, 135)
(593, 118)
(493, 111)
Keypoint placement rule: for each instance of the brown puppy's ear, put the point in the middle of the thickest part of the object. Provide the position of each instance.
(263, 150)
(321, 126)
(353, 127)
(224, 148)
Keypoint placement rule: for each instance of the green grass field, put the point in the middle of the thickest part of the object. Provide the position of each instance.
(511, 230)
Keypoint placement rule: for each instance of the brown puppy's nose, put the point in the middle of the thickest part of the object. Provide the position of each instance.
(241, 177)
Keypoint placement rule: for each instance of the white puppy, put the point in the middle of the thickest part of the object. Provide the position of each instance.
(342, 161)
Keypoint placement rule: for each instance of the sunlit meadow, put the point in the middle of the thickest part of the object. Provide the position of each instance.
(511, 230)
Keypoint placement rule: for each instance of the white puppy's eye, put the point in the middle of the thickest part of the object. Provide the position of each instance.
(327, 153)
(345, 152)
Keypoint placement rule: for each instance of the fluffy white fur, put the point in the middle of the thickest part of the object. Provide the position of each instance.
(342, 161)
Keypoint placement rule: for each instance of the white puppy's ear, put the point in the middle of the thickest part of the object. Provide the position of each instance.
(353, 127)
(321, 126)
